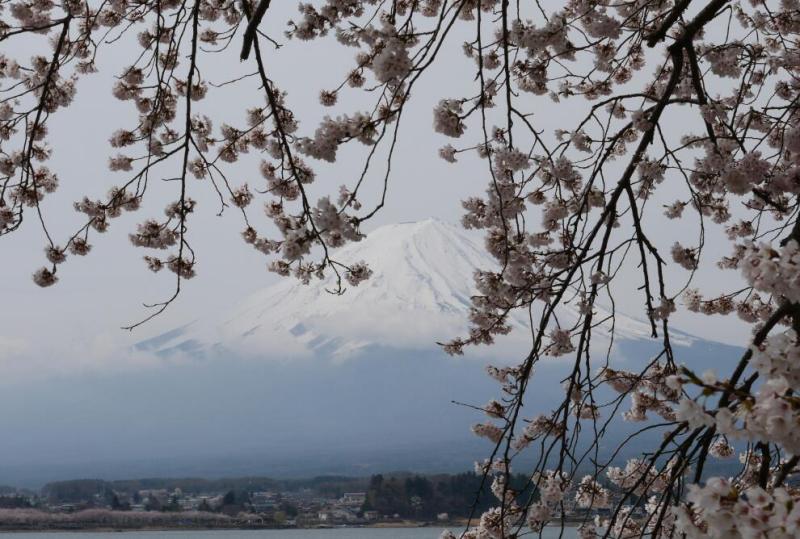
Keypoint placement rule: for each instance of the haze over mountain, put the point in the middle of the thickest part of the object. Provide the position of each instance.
(295, 381)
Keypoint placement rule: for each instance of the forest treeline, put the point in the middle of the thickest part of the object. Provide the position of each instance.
(424, 497)
(77, 490)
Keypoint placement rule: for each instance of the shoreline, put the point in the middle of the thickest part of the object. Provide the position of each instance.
(117, 529)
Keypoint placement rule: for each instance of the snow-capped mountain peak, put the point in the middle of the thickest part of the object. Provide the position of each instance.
(418, 294)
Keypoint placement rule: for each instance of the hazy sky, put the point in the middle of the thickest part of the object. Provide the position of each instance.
(102, 292)
(66, 338)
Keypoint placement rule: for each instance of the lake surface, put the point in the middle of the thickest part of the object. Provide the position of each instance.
(336, 533)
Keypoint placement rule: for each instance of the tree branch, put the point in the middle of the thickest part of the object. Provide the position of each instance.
(252, 25)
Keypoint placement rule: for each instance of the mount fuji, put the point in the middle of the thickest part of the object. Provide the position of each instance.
(419, 294)
(294, 381)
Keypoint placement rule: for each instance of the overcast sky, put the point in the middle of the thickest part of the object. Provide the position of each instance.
(98, 294)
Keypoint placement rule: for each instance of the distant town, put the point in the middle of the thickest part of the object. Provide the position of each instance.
(391, 500)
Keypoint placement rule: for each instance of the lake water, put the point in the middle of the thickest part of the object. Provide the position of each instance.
(336, 533)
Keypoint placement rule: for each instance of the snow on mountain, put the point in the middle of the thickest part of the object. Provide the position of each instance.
(419, 294)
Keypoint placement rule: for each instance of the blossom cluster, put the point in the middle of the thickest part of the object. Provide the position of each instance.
(720, 509)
